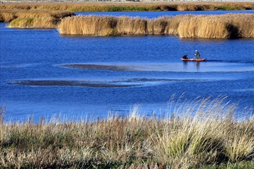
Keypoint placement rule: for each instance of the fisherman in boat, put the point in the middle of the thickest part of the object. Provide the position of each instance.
(197, 54)
(185, 57)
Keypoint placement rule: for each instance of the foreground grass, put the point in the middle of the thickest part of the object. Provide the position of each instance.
(225, 26)
(109, 7)
(200, 135)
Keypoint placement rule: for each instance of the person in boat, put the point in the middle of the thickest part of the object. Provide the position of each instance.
(197, 54)
(185, 57)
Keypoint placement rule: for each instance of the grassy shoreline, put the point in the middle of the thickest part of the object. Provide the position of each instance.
(227, 26)
(55, 15)
(33, 18)
(203, 135)
(136, 6)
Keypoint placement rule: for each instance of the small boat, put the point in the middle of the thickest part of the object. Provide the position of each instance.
(193, 60)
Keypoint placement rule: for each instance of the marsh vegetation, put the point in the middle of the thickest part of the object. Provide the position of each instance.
(106, 7)
(185, 26)
(33, 18)
(204, 133)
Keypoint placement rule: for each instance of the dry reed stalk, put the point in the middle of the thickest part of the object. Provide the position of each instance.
(173, 24)
(88, 25)
(241, 25)
(158, 26)
(217, 26)
(131, 26)
(203, 27)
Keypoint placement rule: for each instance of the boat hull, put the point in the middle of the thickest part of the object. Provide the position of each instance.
(194, 60)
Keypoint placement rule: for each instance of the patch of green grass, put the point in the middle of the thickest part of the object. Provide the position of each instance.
(238, 165)
(229, 7)
(25, 22)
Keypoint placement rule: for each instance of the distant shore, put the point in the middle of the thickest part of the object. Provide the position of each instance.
(56, 15)
(131, 6)
(115, 1)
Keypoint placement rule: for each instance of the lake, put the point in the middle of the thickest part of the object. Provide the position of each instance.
(46, 74)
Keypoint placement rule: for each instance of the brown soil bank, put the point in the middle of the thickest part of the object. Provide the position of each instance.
(33, 18)
(137, 6)
(185, 26)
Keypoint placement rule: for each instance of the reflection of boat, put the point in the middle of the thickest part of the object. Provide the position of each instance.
(194, 60)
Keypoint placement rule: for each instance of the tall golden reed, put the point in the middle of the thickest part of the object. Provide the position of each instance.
(217, 26)
(109, 25)
(89, 25)
(131, 26)
(184, 26)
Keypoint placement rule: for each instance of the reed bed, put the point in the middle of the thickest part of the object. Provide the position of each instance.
(185, 26)
(33, 18)
(221, 26)
(38, 23)
(9, 15)
(158, 6)
(205, 133)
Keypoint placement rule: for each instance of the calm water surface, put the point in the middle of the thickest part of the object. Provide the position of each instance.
(45, 74)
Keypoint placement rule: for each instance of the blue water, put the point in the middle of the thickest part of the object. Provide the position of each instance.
(155, 14)
(117, 72)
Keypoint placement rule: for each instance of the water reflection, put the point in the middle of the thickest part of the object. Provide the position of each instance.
(197, 65)
(187, 66)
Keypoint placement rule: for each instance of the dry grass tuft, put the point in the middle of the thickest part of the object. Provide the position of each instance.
(196, 135)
